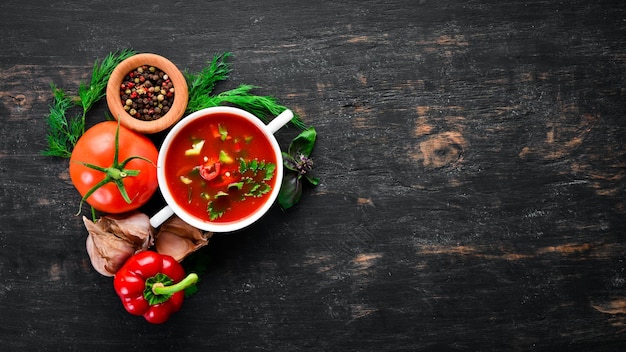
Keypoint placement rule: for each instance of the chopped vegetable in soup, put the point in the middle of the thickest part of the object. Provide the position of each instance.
(220, 168)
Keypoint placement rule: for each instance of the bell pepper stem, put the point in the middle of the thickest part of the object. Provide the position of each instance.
(160, 289)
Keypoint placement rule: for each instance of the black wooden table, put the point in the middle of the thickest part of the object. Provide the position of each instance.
(473, 165)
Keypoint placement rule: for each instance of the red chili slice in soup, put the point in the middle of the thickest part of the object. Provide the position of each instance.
(210, 170)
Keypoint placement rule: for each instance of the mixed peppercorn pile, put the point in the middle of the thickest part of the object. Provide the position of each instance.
(147, 93)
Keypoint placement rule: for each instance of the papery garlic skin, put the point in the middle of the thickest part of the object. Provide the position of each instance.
(114, 239)
(178, 239)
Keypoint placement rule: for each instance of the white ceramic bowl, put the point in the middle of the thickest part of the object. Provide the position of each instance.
(215, 226)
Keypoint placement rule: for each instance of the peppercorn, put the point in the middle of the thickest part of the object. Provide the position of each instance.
(147, 93)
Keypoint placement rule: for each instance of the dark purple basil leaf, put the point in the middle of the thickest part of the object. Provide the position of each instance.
(289, 162)
(290, 190)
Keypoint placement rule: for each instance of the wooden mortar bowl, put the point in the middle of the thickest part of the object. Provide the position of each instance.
(114, 101)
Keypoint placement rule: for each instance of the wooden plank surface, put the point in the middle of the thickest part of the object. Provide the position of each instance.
(472, 157)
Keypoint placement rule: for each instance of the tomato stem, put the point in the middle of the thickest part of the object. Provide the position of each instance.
(115, 173)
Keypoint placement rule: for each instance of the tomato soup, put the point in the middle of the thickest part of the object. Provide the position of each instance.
(220, 168)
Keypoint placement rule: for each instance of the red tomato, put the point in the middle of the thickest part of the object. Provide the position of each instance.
(97, 147)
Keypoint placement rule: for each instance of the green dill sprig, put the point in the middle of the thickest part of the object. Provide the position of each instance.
(202, 83)
(263, 107)
(96, 90)
(64, 130)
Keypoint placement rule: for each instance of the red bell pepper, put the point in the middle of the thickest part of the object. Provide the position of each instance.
(151, 284)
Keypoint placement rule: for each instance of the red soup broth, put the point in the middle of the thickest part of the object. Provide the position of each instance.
(203, 167)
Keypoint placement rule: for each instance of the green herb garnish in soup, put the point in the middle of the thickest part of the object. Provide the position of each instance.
(220, 168)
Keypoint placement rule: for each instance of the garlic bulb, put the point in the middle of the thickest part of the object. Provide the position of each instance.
(114, 239)
(179, 239)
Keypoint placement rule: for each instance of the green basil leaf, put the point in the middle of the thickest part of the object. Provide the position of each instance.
(303, 143)
(312, 179)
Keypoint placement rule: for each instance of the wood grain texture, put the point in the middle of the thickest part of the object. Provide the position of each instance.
(473, 165)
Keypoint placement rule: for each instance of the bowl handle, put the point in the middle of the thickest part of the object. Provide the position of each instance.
(161, 216)
(280, 120)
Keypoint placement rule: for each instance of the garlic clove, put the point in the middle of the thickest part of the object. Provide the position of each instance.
(114, 239)
(106, 251)
(134, 228)
(178, 239)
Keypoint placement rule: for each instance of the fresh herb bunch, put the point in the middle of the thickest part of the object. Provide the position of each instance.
(64, 131)
(263, 107)
(298, 165)
(202, 83)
